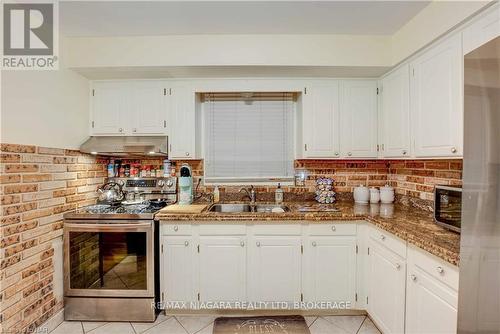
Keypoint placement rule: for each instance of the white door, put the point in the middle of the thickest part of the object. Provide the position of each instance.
(331, 269)
(321, 120)
(177, 262)
(275, 269)
(437, 100)
(431, 307)
(396, 114)
(386, 295)
(182, 128)
(148, 108)
(110, 108)
(358, 119)
(222, 268)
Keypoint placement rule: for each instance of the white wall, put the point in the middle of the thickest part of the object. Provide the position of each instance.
(45, 108)
(432, 22)
(229, 50)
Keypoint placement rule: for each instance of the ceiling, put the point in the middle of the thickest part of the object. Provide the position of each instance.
(141, 18)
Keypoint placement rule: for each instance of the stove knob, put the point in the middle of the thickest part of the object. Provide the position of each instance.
(170, 183)
(161, 183)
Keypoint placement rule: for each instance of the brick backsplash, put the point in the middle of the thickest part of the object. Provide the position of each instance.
(37, 186)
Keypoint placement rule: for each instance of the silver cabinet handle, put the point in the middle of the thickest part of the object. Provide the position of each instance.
(186, 243)
(413, 277)
(349, 153)
(314, 243)
(334, 228)
(176, 228)
(398, 266)
(134, 130)
(120, 129)
(242, 244)
(382, 237)
(336, 154)
(258, 244)
(440, 270)
(453, 150)
(404, 152)
(187, 154)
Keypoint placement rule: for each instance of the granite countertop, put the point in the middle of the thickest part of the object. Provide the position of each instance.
(414, 225)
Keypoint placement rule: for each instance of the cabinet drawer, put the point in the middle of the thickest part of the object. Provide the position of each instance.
(277, 229)
(177, 229)
(388, 240)
(222, 229)
(444, 272)
(332, 229)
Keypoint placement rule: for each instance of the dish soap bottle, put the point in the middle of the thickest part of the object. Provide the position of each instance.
(278, 194)
(216, 194)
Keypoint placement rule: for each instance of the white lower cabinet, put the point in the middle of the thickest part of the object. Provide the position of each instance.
(275, 269)
(432, 298)
(330, 269)
(222, 265)
(387, 279)
(177, 274)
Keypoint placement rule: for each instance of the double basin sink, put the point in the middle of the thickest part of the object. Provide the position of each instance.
(242, 208)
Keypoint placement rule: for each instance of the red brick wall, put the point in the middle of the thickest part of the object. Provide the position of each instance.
(37, 186)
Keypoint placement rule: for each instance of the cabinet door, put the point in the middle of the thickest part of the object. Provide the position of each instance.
(321, 120)
(331, 269)
(275, 269)
(386, 296)
(223, 269)
(177, 269)
(396, 114)
(148, 108)
(431, 307)
(110, 108)
(436, 103)
(358, 119)
(182, 128)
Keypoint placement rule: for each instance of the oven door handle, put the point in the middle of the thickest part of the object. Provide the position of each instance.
(108, 227)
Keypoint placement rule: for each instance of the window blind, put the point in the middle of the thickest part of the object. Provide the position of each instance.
(248, 136)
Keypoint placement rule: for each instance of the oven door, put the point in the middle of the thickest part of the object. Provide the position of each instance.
(109, 258)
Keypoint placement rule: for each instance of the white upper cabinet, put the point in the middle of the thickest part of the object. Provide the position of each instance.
(321, 120)
(358, 119)
(110, 108)
(437, 100)
(128, 108)
(483, 30)
(331, 269)
(222, 269)
(182, 127)
(395, 114)
(149, 114)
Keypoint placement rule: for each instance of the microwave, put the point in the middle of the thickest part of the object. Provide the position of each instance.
(448, 207)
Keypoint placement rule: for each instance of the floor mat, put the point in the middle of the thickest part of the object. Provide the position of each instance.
(293, 324)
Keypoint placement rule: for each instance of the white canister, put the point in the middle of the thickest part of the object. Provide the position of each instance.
(374, 195)
(361, 194)
(387, 194)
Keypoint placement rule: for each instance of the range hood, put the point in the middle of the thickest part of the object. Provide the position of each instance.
(126, 146)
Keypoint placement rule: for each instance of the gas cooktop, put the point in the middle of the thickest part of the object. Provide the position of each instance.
(145, 210)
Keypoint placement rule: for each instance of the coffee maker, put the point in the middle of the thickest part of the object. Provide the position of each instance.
(185, 185)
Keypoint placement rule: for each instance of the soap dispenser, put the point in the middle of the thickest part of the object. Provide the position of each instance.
(278, 194)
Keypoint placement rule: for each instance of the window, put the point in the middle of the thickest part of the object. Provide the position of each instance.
(248, 136)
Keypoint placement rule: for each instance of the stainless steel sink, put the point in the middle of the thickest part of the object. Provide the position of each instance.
(238, 208)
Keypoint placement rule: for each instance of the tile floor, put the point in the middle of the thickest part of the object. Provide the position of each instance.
(199, 324)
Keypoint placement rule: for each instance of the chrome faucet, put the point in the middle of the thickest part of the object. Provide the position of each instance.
(250, 194)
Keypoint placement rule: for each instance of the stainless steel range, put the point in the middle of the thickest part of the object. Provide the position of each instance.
(110, 253)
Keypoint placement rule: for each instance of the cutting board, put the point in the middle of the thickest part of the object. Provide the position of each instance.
(191, 208)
